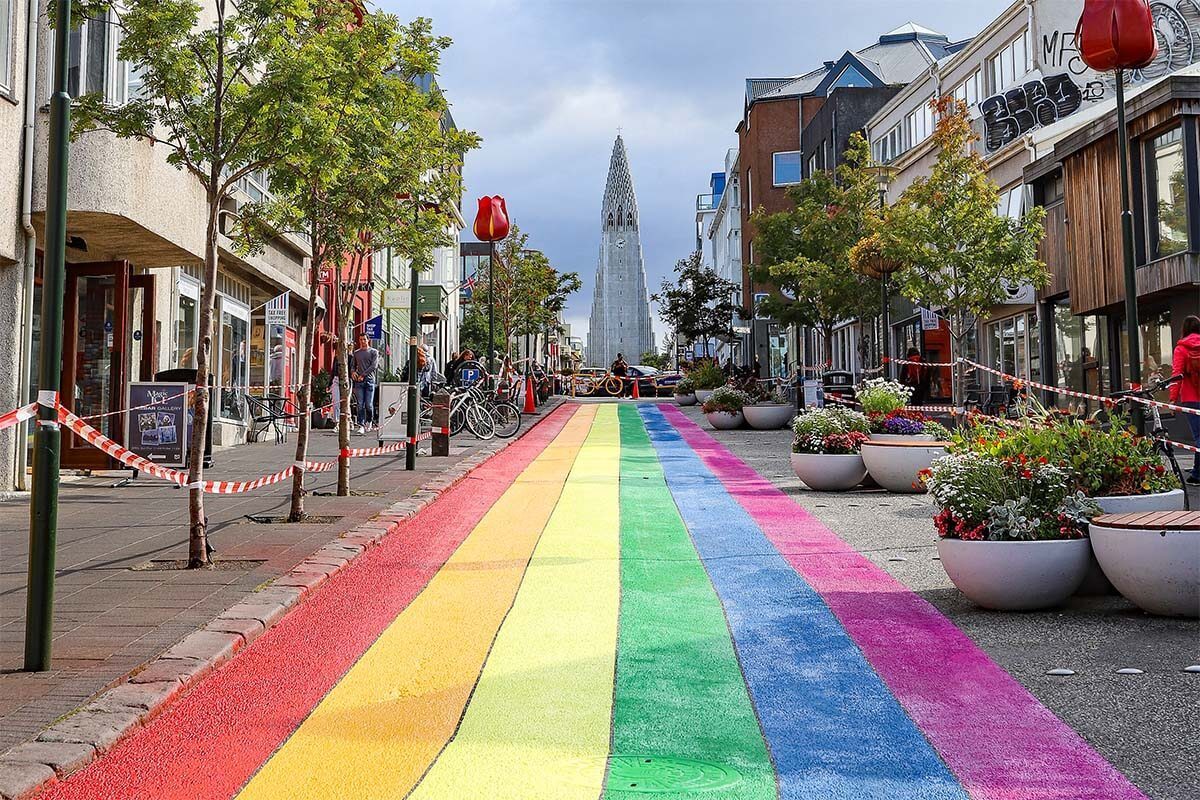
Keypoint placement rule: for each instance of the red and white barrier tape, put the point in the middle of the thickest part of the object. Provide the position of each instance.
(18, 416)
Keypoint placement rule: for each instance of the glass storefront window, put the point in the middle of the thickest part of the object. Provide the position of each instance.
(235, 333)
(1157, 349)
(1167, 189)
(1081, 357)
(186, 327)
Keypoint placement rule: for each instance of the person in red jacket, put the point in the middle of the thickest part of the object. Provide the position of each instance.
(1187, 392)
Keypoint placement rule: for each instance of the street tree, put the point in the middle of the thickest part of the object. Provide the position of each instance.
(220, 93)
(957, 253)
(805, 251)
(698, 304)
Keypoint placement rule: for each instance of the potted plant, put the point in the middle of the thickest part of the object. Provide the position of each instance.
(1011, 531)
(707, 378)
(1121, 472)
(1156, 565)
(772, 412)
(723, 409)
(685, 392)
(826, 449)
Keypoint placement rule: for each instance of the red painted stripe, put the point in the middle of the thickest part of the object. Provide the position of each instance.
(210, 742)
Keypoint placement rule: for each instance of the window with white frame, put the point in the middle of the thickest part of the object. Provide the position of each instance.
(7, 23)
(891, 145)
(918, 124)
(970, 90)
(1013, 61)
(234, 363)
(786, 168)
(1012, 202)
(92, 63)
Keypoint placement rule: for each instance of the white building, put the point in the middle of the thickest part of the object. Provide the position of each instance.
(722, 241)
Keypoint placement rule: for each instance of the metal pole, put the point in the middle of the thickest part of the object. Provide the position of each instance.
(885, 323)
(414, 332)
(1132, 328)
(43, 505)
(491, 349)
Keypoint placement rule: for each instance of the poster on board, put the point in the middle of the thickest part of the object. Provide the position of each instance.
(159, 422)
(393, 418)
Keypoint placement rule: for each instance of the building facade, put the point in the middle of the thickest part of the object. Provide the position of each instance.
(722, 239)
(620, 319)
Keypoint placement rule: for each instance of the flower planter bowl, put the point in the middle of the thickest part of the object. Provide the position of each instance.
(725, 420)
(702, 395)
(829, 473)
(1096, 583)
(897, 466)
(769, 416)
(686, 399)
(902, 437)
(1015, 576)
(1154, 562)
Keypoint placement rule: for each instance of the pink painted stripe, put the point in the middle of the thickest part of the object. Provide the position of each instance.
(995, 736)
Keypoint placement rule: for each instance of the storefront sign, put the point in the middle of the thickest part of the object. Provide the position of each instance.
(373, 328)
(362, 286)
(158, 426)
(930, 320)
(395, 298)
(277, 311)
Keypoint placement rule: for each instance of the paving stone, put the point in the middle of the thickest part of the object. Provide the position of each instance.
(147, 696)
(266, 613)
(286, 596)
(248, 629)
(184, 670)
(22, 779)
(305, 580)
(100, 729)
(206, 645)
(63, 757)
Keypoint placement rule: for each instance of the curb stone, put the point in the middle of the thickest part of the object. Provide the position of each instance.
(75, 741)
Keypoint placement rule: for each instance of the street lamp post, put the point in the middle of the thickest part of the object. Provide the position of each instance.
(883, 178)
(414, 334)
(1132, 323)
(43, 515)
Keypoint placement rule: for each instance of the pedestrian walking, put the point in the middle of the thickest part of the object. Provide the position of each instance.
(1186, 393)
(364, 372)
(916, 376)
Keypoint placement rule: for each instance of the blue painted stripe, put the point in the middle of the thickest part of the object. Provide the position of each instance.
(834, 729)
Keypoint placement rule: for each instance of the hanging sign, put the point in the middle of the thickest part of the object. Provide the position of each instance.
(277, 311)
(395, 298)
(373, 328)
(930, 320)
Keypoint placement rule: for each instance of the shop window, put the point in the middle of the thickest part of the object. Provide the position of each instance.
(234, 359)
(1081, 357)
(187, 325)
(1166, 181)
(1157, 347)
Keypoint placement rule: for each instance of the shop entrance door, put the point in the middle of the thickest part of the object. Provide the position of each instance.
(108, 340)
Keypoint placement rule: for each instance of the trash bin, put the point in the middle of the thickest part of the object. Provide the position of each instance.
(188, 376)
(839, 384)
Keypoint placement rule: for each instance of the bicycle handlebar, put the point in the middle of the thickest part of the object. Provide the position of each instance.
(1146, 392)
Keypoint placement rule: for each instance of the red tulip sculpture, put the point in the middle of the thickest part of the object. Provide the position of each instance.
(491, 222)
(1116, 34)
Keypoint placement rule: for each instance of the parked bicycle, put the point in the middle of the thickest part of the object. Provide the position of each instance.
(1158, 431)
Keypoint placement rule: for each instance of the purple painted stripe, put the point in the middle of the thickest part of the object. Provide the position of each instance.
(994, 735)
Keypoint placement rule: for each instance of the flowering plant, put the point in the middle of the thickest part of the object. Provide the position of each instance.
(1101, 460)
(726, 399)
(984, 498)
(882, 396)
(708, 376)
(937, 430)
(830, 431)
(904, 426)
(685, 386)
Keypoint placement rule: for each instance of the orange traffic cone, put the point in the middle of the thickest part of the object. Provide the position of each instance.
(637, 393)
(530, 405)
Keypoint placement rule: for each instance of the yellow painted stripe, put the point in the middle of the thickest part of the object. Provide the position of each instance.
(538, 724)
(379, 729)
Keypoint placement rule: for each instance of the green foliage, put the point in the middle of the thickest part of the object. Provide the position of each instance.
(805, 251)
(696, 305)
(829, 431)
(708, 376)
(728, 400)
(685, 387)
(660, 361)
(1101, 460)
(956, 252)
(882, 396)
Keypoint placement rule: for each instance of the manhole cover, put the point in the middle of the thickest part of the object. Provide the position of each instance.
(654, 774)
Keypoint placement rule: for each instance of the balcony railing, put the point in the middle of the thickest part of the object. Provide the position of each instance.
(707, 202)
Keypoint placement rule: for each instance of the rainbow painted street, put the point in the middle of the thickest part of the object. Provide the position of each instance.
(614, 606)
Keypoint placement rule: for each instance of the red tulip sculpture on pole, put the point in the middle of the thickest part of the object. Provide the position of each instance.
(1116, 35)
(491, 226)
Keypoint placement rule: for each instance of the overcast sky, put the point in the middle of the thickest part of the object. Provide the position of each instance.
(546, 83)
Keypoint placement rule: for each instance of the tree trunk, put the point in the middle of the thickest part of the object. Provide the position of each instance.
(343, 353)
(304, 406)
(198, 528)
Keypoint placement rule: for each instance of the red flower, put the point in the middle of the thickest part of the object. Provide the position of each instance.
(1116, 34)
(491, 222)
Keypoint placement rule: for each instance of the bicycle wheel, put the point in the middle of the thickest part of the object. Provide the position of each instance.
(480, 422)
(507, 418)
(458, 417)
(615, 387)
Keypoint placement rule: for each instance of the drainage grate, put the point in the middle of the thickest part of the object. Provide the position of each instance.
(658, 774)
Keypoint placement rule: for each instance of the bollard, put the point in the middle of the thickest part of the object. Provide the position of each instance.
(441, 424)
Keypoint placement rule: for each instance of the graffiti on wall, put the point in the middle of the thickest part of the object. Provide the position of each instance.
(1070, 82)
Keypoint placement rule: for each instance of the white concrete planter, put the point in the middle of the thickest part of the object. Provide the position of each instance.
(902, 437)
(686, 399)
(769, 416)
(896, 466)
(1015, 576)
(702, 395)
(829, 473)
(724, 420)
(1157, 570)
(1096, 582)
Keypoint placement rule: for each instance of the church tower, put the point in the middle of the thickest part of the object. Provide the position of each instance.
(620, 321)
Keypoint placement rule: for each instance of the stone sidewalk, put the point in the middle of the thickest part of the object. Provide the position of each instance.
(118, 605)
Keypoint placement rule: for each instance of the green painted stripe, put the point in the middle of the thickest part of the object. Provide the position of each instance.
(679, 689)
